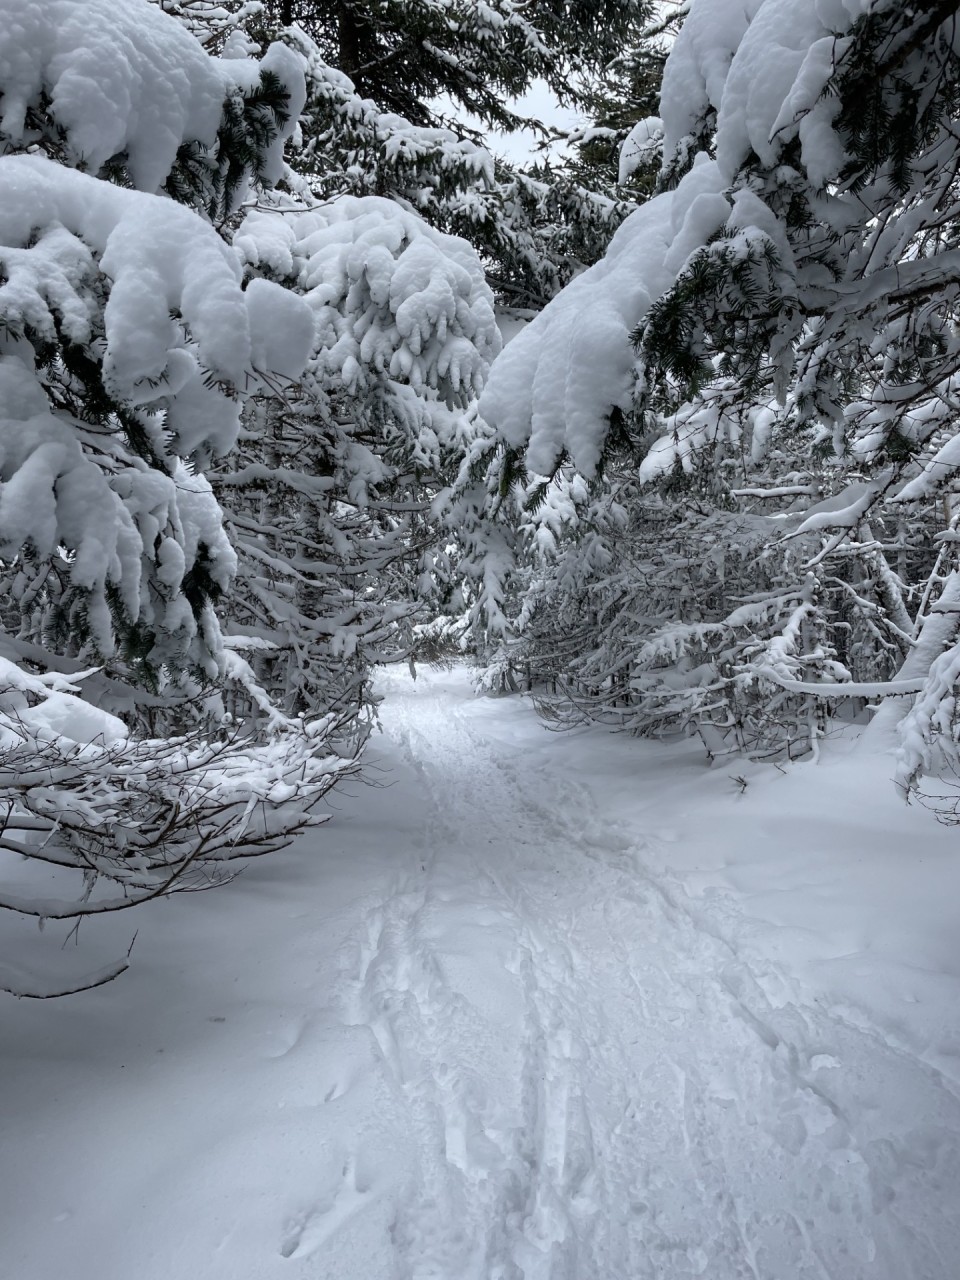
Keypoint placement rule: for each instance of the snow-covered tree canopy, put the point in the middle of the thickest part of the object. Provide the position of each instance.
(782, 206)
(533, 230)
(128, 342)
(416, 58)
(787, 301)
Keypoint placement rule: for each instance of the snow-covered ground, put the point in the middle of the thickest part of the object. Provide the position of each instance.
(539, 1006)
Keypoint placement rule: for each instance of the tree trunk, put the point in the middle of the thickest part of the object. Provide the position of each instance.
(938, 630)
(349, 39)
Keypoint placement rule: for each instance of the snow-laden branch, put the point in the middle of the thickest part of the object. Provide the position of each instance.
(111, 81)
(123, 821)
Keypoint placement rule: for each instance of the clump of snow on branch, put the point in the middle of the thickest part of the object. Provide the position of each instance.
(393, 300)
(119, 78)
(555, 385)
(642, 143)
(762, 68)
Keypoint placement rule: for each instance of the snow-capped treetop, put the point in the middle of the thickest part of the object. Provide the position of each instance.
(121, 82)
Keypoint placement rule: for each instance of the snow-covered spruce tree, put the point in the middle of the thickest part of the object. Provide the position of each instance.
(534, 230)
(127, 348)
(329, 494)
(770, 345)
(391, 135)
(378, 571)
(431, 61)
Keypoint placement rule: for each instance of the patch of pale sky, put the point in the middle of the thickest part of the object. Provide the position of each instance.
(520, 147)
(539, 102)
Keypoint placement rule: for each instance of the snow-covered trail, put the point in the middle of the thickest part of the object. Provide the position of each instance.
(476, 1033)
(595, 1083)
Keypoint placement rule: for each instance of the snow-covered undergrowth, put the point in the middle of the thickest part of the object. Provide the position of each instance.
(570, 1006)
(94, 821)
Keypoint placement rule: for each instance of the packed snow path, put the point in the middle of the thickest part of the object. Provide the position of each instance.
(476, 1039)
(595, 1085)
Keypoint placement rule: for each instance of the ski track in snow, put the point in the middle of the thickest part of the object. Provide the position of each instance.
(597, 1087)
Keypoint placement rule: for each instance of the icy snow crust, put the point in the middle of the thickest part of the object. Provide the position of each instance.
(122, 79)
(552, 1007)
(761, 65)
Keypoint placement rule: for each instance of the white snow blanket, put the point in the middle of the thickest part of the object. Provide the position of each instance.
(549, 1006)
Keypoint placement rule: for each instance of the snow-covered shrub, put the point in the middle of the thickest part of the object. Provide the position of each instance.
(329, 494)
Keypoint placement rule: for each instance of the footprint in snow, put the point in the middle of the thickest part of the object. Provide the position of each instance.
(308, 1232)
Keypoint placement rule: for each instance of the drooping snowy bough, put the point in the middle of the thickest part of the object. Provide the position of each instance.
(758, 386)
(126, 93)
